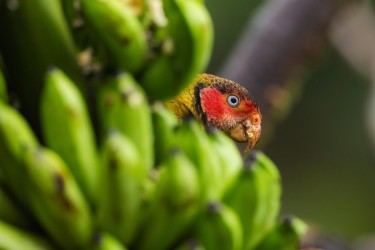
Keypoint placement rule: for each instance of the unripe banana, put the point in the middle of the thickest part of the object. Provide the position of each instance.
(175, 206)
(195, 18)
(190, 30)
(203, 155)
(15, 134)
(10, 211)
(228, 154)
(271, 186)
(13, 238)
(67, 129)
(115, 30)
(121, 187)
(106, 241)
(164, 124)
(55, 199)
(219, 228)
(284, 236)
(122, 105)
(160, 81)
(255, 196)
(34, 35)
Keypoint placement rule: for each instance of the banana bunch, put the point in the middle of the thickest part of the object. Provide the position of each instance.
(165, 43)
(107, 166)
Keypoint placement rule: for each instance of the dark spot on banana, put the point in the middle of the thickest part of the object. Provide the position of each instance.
(211, 130)
(60, 195)
(214, 206)
(288, 220)
(189, 118)
(125, 41)
(172, 208)
(126, 94)
(73, 113)
(97, 238)
(113, 163)
(249, 159)
(60, 183)
(109, 101)
(175, 151)
(193, 244)
(112, 132)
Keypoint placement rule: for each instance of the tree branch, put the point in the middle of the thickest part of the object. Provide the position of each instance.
(281, 38)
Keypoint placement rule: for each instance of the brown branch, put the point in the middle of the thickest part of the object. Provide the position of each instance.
(282, 37)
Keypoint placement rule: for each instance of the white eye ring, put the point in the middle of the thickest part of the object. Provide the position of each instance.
(233, 101)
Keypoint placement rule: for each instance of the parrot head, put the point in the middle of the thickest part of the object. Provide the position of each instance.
(223, 104)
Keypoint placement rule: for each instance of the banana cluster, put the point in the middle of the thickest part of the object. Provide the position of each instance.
(110, 171)
(165, 43)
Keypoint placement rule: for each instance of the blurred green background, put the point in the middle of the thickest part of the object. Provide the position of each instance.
(323, 147)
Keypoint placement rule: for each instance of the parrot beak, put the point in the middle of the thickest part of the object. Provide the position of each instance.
(248, 131)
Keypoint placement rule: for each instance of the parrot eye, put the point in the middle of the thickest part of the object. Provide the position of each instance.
(233, 101)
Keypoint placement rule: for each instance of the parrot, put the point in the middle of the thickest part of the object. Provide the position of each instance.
(220, 103)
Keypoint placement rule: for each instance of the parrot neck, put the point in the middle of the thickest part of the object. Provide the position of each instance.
(188, 103)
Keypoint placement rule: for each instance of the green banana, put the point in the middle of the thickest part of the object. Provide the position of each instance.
(121, 187)
(13, 238)
(15, 134)
(10, 210)
(34, 36)
(284, 236)
(175, 206)
(271, 187)
(106, 241)
(219, 228)
(116, 32)
(122, 105)
(3, 88)
(164, 124)
(228, 154)
(255, 197)
(67, 129)
(190, 30)
(204, 157)
(55, 198)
